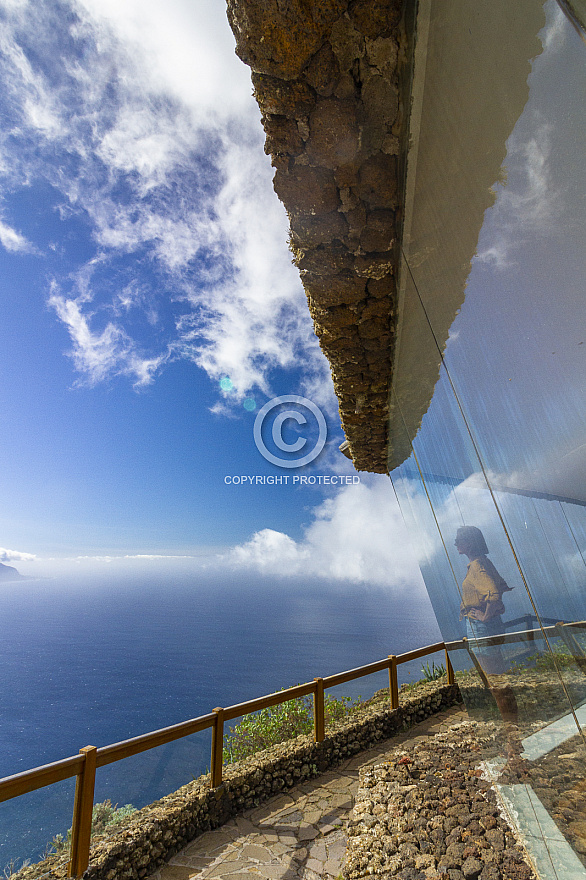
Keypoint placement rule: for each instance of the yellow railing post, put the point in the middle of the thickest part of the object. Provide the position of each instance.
(217, 747)
(450, 669)
(83, 806)
(319, 720)
(393, 682)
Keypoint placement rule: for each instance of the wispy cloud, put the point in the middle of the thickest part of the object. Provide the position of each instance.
(99, 354)
(142, 119)
(13, 241)
(554, 33)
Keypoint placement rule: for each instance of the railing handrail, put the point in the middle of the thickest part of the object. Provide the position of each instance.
(83, 766)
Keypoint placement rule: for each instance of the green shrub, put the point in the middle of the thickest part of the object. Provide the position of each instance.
(105, 817)
(545, 662)
(279, 723)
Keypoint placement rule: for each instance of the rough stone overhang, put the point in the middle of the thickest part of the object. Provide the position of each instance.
(327, 76)
(387, 125)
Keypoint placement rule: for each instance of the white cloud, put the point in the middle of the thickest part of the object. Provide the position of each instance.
(15, 556)
(149, 557)
(142, 117)
(13, 241)
(554, 33)
(527, 202)
(188, 47)
(356, 535)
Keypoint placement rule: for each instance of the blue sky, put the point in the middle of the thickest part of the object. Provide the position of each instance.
(150, 309)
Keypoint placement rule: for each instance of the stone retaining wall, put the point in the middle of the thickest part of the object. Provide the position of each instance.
(155, 833)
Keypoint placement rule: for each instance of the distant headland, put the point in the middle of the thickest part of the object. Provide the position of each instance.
(8, 573)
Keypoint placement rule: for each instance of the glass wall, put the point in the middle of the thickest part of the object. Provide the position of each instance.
(487, 447)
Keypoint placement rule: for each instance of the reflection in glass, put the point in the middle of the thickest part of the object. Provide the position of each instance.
(486, 432)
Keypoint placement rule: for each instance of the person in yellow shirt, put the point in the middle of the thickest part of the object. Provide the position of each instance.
(482, 591)
(481, 608)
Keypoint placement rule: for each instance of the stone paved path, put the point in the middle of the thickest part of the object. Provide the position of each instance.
(299, 834)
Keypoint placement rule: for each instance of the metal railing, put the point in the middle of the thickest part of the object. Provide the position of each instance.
(84, 765)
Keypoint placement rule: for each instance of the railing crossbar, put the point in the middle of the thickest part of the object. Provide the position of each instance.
(420, 652)
(40, 777)
(352, 674)
(129, 747)
(239, 709)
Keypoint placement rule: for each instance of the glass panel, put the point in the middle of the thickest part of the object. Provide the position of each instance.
(490, 374)
(128, 785)
(30, 826)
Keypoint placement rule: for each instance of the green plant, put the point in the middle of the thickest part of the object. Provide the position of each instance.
(548, 661)
(276, 724)
(434, 672)
(105, 817)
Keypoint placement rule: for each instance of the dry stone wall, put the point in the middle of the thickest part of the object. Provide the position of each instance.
(326, 78)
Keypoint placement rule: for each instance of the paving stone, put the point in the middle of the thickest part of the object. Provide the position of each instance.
(199, 863)
(314, 865)
(277, 849)
(300, 855)
(307, 832)
(176, 872)
(274, 872)
(291, 819)
(342, 800)
(327, 828)
(209, 842)
(232, 856)
(337, 852)
(318, 851)
(339, 784)
(232, 867)
(258, 853)
(244, 826)
(240, 875)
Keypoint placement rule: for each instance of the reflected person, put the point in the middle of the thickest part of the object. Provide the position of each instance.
(481, 608)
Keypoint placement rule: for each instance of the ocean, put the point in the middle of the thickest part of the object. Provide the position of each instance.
(94, 661)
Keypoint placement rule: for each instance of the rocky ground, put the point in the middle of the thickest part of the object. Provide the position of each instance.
(426, 813)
